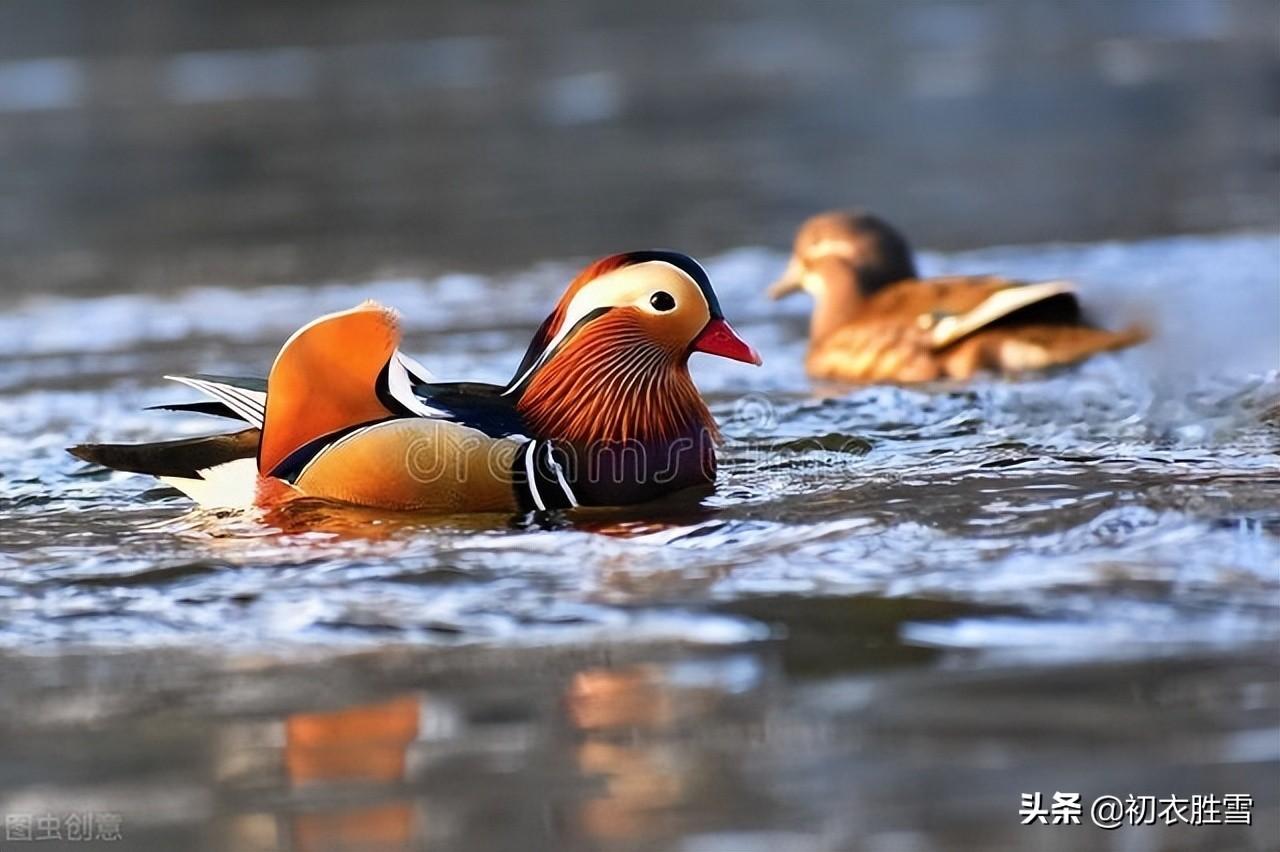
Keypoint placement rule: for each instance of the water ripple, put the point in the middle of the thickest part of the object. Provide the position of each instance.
(1132, 502)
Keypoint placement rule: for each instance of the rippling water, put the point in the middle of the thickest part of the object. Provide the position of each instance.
(900, 608)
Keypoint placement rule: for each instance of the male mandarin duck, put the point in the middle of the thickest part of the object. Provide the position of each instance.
(874, 319)
(601, 411)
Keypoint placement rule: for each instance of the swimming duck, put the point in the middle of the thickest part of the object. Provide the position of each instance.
(601, 411)
(875, 320)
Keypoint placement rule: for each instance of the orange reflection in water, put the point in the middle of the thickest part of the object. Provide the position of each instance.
(345, 522)
(603, 699)
(364, 744)
(641, 777)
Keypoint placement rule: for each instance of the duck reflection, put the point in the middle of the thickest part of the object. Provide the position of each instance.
(629, 721)
(682, 510)
(367, 744)
(357, 523)
(612, 699)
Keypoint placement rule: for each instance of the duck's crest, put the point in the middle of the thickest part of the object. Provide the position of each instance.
(552, 326)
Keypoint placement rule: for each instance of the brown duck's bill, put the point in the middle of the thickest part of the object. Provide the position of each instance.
(792, 280)
(719, 338)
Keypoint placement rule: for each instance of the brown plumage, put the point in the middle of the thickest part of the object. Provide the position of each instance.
(616, 382)
(874, 320)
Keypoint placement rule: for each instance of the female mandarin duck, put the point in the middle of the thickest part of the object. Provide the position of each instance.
(602, 410)
(875, 320)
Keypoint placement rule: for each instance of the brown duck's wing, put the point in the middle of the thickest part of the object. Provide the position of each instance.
(952, 308)
(895, 338)
(887, 351)
(416, 464)
(1004, 304)
(953, 327)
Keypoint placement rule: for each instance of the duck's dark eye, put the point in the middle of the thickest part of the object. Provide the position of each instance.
(662, 301)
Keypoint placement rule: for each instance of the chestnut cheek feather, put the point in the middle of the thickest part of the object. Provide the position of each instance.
(612, 382)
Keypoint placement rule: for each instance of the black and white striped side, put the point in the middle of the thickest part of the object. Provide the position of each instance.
(541, 479)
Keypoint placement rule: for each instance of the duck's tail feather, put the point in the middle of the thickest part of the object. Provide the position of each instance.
(213, 409)
(214, 470)
(1041, 347)
(183, 457)
(1130, 335)
(244, 398)
(340, 371)
(240, 398)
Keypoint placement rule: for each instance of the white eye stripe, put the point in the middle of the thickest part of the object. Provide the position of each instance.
(831, 248)
(589, 298)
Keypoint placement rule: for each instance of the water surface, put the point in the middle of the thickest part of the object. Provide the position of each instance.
(900, 609)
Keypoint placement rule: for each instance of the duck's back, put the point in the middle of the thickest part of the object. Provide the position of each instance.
(963, 295)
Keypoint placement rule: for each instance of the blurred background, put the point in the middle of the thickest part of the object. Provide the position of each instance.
(156, 145)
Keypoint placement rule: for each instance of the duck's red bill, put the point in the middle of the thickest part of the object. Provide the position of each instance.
(719, 338)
